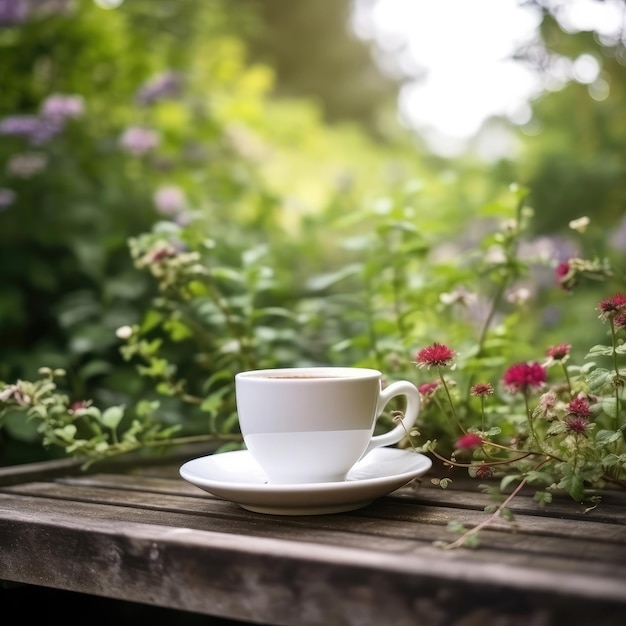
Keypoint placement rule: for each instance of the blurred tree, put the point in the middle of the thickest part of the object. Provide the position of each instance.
(575, 151)
(316, 55)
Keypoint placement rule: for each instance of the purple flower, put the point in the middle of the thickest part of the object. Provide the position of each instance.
(34, 129)
(20, 125)
(7, 198)
(13, 12)
(61, 107)
(166, 85)
(169, 200)
(139, 141)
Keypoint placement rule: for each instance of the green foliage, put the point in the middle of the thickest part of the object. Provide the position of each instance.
(240, 231)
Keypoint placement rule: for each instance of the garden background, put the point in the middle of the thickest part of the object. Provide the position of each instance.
(188, 189)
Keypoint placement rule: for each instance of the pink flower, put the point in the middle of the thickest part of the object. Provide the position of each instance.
(484, 471)
(436, 355)
(576, 425)
(428, 389)
(548, 403)
(523, 377)
(63, 106)
(139, 141)
(469, 441)
(482, 389)
(612, 306)
(169, 200)
(78, 405)
(579, 407)
(559, 352)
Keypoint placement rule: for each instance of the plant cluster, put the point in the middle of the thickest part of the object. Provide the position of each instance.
(496, 408)
(566, 424)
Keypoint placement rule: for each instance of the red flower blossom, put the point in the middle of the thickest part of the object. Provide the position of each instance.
(428, 389)
(482, 389)
(436, 355)
(565, 275)
(562, 269)
(579, 407)
(620, 320)
(559, 352)
(612, 306)
(484, 471)
(523, 377)
(576, 425)
(78, 405)
(468, 441)
(160, 254)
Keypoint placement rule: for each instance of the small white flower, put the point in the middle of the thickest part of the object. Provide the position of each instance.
(520, 295)
(580, 224)
(124, 332)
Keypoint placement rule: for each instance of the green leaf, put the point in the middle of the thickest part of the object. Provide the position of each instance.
(493, 431)
(534, 476)
(323, 282)
(212, 403)
(507, 514)
(543, 497)
(67, 433)
(599, 350)
(226, 274)
(151, 320)
(609, 406)
(177, 330)
(272, 311)
(113, 416)
(471, 541)
(607, 437)
(610, 459)
(598, 379)
(455, 527)
(507, 480)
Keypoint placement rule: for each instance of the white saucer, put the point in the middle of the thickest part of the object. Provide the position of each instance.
(237, 477)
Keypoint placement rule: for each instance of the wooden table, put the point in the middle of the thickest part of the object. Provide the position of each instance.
(138, 532)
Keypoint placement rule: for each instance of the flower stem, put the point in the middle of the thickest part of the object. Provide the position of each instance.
(618, 378)
(476, 529)
(445, 386)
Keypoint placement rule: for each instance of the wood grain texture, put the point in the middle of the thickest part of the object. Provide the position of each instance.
(147, 536)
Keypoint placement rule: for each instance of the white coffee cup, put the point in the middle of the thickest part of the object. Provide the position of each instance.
(312, 424)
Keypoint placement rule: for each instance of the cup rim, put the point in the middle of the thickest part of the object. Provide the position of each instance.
(279, 373)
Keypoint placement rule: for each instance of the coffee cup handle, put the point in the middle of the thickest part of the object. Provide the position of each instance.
(399, 388)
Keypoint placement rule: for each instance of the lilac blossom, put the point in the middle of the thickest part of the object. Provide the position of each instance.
(7, 198)
(27, 165)
(169, 200)
(13, 12)
(139, 141)
(61, 106)
(36, 130)
(166, 85)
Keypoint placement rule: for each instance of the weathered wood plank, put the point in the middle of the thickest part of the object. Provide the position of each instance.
(145, 535)
(264, 579)
(384, 525)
